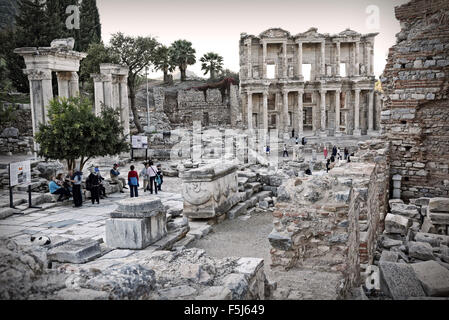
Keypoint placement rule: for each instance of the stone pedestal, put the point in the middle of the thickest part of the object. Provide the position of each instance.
(210, 190)
(136, 223)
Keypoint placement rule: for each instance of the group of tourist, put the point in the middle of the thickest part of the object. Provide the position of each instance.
(69, 186)
(336, 154)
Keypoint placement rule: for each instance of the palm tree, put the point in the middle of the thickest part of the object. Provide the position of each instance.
(163, 61)
(212, 63)
(182, 54)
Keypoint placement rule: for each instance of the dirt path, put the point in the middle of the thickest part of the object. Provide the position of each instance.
(249, 238)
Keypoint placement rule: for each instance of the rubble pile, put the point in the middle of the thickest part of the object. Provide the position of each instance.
(412, 255)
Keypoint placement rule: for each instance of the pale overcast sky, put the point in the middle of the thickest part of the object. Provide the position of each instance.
(215, 25)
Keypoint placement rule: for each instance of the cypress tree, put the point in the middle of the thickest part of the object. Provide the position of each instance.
(90, 27)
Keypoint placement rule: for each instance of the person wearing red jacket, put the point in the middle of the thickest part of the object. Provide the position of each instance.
(133, 182)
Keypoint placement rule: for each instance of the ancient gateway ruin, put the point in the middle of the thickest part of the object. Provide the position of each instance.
(309, 81)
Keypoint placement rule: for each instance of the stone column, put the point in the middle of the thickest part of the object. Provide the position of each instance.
(347, 112)
(124, 103)
(284, 49)
(249, 62)
(250, 110)
(337, 112)
(370, 111)
(107, 89)
(357, 58)
(99, 93)
(300, 60)
(74, 87)
(285, 111)
(323, 112)
(315, 113)
(337, 57)
(41, 92)
(371, 60)
(265, 111)
(357, 131)
(300, 113)
(264, 62)
(63, 83)
(116, 92)
(323, 58)
(353, 61)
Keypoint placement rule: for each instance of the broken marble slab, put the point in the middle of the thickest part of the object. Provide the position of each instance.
(77, 251)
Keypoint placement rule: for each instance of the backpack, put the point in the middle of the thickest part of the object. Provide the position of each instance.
(157, 178)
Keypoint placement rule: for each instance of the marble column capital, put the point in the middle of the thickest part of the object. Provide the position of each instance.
(38, 74)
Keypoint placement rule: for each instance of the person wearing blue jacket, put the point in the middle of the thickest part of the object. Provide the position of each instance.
(57, 189)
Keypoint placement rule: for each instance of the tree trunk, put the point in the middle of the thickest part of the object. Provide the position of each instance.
(165, 76)
(212, 74)
(183, 73)
(132, 96)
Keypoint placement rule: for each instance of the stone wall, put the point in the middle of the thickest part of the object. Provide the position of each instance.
(16, 135)
(415, 116)
(185, 106)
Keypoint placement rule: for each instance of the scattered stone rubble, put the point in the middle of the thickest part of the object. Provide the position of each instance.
(128, 274)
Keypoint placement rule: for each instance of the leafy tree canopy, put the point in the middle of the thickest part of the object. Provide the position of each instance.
(211, 63)
(73, 132)
(182, 55)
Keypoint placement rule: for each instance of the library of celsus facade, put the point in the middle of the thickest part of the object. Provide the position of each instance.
(312, 82)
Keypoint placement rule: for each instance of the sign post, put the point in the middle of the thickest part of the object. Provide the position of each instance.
(19, 173)
(139, 142)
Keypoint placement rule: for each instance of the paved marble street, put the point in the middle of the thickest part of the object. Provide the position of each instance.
(67, 221)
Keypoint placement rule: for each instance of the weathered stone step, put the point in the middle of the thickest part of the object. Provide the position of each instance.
(237, 210)
(251, 176)
(78, 251)
(256, 186)
(199, 229)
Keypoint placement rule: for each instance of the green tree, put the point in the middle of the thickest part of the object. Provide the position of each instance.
(163, 61)
(97, 53)
(74, 134)
(137, 53)
(182, 55)
(211, 63)
(90, 26)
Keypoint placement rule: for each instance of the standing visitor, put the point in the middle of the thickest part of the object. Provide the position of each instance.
(296, 140)
(346, 153)
(285, 153)
(268, 150)
(293, 133)
(102, 188)
(152, 173)
(133, 182)
(161, 177)
(325, 152)
(93, 184)
(334, 151)
(115, 177)
(327, 165)
(76, 180)
(144, 175)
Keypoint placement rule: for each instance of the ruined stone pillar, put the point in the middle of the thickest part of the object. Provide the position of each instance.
(357, 131)
(357, 58)
(370, 111)
(300, 113)
(284, 69)
(265, 111)
(250, 110)
(264, 62)
(337, 58)
(124, 104)
(300, 60)
(366, 52)
(323, 58)
(41, 92)
(337, 112)
(323, 112)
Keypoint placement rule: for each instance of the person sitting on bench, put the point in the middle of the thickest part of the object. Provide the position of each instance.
(57, 189)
